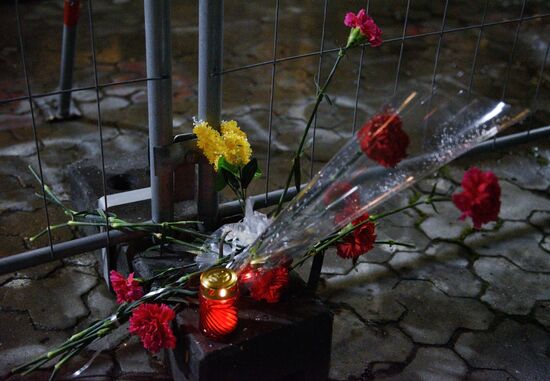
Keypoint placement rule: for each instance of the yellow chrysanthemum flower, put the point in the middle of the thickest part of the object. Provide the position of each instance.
(232, 143)
(231, 127)
(237, 149)
(210, 142)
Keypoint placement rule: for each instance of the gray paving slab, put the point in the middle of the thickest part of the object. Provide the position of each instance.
(445, 265)
(54, 302)
(20, 341)
(520, 349)
(509, 289)
(541, 219)
(516, 241)
(356, 345)
(433, 364)
(444, 223)
(432, 317)
(368, 290)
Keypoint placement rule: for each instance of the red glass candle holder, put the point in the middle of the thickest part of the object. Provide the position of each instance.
(218, 302)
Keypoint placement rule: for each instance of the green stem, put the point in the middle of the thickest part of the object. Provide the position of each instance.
(330, 240)
(190, 231)
(243, 190)
(44, 231)
(64, 359)
(53, 198)
(239, 195)
(430, 200)
(299, 151)
(391, 242)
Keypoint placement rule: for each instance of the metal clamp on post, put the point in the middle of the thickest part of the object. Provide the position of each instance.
(182, 157)
(181, 151)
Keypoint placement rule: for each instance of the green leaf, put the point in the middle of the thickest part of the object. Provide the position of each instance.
(102, 214)
(414, 197)
(224, 164)
(258, 173)
(434, 188)
(248, 172)
(328, 99)
(219, 182)
(230, 178)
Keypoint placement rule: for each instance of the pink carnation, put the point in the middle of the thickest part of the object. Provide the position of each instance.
(126, 290)
(366, 25)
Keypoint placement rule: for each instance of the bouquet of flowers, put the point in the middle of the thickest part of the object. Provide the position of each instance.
(411, 136)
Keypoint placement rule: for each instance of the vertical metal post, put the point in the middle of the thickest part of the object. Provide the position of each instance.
(159, 101)
(210, 98)
(71, 12)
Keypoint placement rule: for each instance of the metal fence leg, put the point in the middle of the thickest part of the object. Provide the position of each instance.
(210, 62)
(71, 13)
(315, 271)
(159, 98)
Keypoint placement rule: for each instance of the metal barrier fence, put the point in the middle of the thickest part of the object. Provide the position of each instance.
(211, 71)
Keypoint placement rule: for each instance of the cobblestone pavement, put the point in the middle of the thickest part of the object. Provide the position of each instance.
(460, 305)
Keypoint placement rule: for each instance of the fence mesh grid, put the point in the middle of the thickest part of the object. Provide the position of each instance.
(440, 34)
(277, 58)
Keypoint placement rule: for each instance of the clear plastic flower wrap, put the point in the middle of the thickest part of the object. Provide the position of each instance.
(411, 137)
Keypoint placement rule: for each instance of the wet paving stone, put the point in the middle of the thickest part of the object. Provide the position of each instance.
(379, 254)
(509, 289)
(542, 313)
(444, 264)
(433, 364)
(11, 245)
(356, 345)
(442, 186)
(108, 105)
(407, 235)
(35, 272)
(368, 290)
(522, 170)
(20, 341)
(517, 204)
(520, 349)
(335, 265)
(431, 317)
(133, 359)
(444, 224)
(100, 369)
(61, 307)
(490, 375)
(541, 219)
(517, 241)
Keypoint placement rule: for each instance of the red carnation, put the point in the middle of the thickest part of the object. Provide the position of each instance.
(480, 198)
(383, 140)
(268, 284)
(151, 322)
(359, 241)
(126, 290)
(365, 25)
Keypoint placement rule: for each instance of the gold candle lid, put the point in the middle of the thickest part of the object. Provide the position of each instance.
(219, 283)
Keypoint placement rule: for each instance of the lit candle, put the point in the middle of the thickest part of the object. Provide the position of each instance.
(217, 302)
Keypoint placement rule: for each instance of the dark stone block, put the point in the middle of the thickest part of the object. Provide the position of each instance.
(289, 340)
(121, 175)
